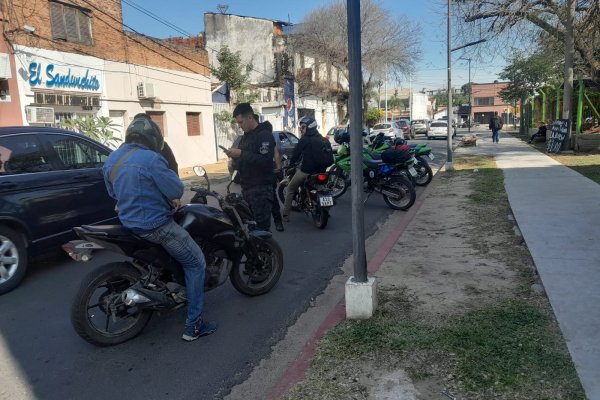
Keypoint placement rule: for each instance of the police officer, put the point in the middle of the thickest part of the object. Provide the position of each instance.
(254, 162)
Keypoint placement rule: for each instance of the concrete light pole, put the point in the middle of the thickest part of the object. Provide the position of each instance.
(361, 293)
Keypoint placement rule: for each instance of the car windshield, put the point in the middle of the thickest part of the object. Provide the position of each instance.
(439, 124)
(421, 122)
(402, 123)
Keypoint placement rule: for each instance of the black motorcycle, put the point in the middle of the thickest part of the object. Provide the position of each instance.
(313, 196)
(115, 301)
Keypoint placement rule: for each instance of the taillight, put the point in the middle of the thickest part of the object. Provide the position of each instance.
(322, 177)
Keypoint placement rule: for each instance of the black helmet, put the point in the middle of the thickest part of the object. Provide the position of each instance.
(146, 131)
(341, 136)
(399, 142)
(308, 121)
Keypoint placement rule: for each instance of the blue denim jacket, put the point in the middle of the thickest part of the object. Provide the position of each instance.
(143, 187)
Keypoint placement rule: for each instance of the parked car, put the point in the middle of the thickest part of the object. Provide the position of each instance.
(331, 136)
(51, 181)
(403, 126)
(389, 129)
(418, 126)
(287, 139)
(438, 128)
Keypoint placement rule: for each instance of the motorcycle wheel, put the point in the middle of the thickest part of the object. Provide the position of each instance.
(320, 216)
(424, 172)
(282, 192)
(402, 188)
(403, 173)
(100, 290)
(340, 185)
(261, 280)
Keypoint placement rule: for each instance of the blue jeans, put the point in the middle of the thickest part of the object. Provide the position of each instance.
(179, 244)
(495, 135)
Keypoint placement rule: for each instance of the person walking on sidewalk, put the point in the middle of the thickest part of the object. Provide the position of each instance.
(315, 154)
(496, 125)
(147, 193)
(253, 160)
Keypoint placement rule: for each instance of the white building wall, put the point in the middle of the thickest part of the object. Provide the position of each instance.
(325, 112)
(176, 93)
(252, 37)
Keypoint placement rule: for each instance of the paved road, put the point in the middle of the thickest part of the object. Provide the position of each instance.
(41, 357)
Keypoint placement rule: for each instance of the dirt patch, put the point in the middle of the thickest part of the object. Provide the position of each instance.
(459, 269)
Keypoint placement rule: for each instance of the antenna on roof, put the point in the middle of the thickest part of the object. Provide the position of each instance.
(222, 8)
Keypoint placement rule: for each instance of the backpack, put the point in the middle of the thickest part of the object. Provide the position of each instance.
(323, 155)
(498, 124)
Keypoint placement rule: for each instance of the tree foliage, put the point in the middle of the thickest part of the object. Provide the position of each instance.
(101, 129)
(235, 73)
(526, 74)
(390, 44)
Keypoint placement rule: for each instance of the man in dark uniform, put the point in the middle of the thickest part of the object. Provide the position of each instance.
(254, 162)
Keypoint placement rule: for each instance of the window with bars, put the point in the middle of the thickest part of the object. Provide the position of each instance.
(193, 123)
(484, 101)
(69, 23)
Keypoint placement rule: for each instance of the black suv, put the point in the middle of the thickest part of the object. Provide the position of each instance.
(50, 182)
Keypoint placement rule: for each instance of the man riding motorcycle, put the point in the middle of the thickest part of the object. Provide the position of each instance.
(315, 154)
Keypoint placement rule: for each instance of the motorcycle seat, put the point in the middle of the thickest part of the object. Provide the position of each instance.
(112, 230)
(373, 163)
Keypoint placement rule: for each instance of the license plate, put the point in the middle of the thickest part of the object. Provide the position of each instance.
(326, 201)
(431, 156)
(412, 171)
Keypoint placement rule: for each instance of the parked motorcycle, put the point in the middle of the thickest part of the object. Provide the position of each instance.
(313, 196)
(115, 301)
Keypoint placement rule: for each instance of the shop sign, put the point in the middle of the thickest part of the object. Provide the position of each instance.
(61, 79)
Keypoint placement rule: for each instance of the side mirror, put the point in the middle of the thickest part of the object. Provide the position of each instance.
(199, 171)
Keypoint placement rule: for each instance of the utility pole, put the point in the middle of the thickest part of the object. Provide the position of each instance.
(470, 94)
(410, 99)
(360, 291)
(386, 97)
(449, 166)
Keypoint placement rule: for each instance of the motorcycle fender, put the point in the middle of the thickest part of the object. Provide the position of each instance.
(261, 234)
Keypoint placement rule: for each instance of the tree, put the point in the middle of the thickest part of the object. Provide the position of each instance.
(390, 44)
(97, 128)
(526, 74)
(574, 23)
(232, 71)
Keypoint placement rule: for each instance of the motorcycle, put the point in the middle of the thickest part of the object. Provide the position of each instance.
(313, 196)
(378, 177)
(115, 301)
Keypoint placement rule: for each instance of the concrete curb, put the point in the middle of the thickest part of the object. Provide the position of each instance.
(295, 373)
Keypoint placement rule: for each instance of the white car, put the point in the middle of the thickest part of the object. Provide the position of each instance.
(438, 129)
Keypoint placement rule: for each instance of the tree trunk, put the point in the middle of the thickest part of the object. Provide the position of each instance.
(569, 56)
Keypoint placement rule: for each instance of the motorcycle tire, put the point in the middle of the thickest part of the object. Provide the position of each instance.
(115, 278)
(282, 192)
(320, 216)
(340, 185)
(402, 188)
(425, 174)
(246, 283)
(403, 173)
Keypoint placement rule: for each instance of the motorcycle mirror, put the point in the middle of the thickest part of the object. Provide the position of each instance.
(199, 171)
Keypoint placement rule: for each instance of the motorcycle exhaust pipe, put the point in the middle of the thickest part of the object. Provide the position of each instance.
(131, 297)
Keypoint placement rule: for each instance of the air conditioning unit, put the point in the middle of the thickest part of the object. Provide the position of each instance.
(39, 115)
(145, 90)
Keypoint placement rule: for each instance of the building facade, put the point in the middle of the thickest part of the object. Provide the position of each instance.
(74, 59)
(486, 101)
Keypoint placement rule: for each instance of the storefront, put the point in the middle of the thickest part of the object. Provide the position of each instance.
(54, 86)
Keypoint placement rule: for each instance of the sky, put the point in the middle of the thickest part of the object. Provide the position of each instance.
(431, 70)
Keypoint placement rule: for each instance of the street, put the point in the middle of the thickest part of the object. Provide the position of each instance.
(41, 356)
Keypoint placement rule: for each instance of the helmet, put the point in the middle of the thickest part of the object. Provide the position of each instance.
(308, 121)
(143, 129)
(341, 136)
(399, 142)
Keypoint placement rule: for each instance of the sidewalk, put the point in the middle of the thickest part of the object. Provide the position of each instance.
(558, 213)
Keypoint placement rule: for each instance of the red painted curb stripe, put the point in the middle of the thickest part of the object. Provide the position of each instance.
(295, 373)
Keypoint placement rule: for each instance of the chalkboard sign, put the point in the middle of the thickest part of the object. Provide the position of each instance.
(560, 130)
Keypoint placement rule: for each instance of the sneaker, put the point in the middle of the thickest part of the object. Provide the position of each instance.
(202, 328)
(279, 226)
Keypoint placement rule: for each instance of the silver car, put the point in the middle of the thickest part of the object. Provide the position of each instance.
(419, 126)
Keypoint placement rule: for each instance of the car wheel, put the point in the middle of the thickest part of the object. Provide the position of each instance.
(13, 259)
